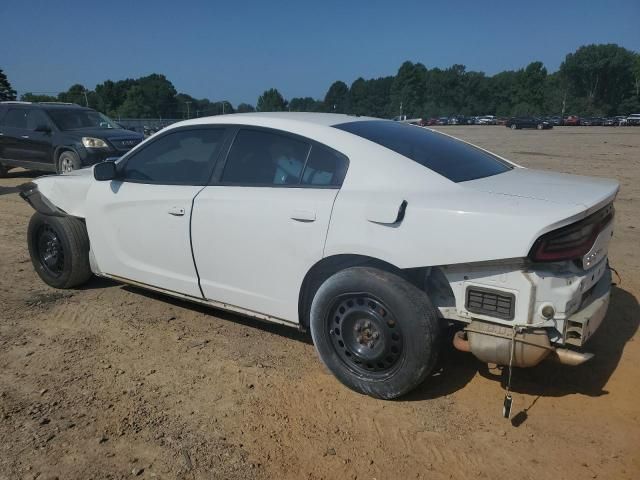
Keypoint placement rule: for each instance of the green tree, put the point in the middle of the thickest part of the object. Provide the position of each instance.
(305, 104)
(6, 92)
(111, 95)
(31, 97)
(600, 74)
(531, 88)
(271, 101)
(337, 98)
(75, 94)
(408, 90)
(245, 108)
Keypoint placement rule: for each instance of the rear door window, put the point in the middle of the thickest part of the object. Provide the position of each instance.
(37, 118)
(451, 158)
(16, 118)
(265, 158)
(325, 167)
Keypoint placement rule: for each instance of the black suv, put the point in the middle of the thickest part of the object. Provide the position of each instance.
(58, 137)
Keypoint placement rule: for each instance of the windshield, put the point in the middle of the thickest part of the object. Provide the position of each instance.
(451, 158)
(76, 118)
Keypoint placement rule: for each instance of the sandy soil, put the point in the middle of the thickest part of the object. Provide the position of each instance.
(114, 382)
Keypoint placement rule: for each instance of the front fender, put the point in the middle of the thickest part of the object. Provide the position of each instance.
(59, 194)
(30, 194)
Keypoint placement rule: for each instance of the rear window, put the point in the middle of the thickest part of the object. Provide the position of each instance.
(451, 158)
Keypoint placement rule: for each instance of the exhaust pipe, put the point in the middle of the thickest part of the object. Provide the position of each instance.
(530, 352)
(570, 357)
(460, 342)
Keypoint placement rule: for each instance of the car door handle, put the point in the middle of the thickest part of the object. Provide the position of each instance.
(176, 211)
(24, 136)
(303, 215)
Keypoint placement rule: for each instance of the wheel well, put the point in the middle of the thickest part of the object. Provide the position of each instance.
(328, 266)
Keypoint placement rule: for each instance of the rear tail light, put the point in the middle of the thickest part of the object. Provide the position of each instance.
(573, 241)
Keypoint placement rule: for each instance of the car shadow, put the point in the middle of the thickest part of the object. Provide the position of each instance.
(456, 369)
(97, 283)
(26, 174)
(8, 190)
(274, 328)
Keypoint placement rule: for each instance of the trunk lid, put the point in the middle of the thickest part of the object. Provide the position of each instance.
(558, 188)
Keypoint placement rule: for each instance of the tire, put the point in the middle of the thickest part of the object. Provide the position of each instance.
(59, 250)
(376, 332)
(67, 162)
(540, 126)
(514, 126)
(3, 171)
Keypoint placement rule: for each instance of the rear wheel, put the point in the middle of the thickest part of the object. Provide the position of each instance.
(68, 161)
(59, 250)
(513, 126)
(376, 332)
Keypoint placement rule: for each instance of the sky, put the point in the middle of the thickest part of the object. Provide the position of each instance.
(235, 50)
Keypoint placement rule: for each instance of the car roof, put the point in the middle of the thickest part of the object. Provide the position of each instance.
(45, 105)
(320, 119)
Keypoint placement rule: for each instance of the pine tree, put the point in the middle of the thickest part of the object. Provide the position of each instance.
(6, 92)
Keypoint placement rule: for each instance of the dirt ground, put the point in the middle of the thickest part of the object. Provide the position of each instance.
(114, 382)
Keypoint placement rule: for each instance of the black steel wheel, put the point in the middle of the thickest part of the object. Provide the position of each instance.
(59, 250)
(376, 332)
(50, 250)
(365, 334)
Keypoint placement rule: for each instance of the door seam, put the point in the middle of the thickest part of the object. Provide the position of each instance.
(193, 255)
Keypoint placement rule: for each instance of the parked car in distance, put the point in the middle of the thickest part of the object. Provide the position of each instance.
(58, 137)
(487, 120)
(443, 121)
(571, 121)
(591, 121)
(354, 228)
(516, 123)
(555, 120)
(610, 122)
(633, 119)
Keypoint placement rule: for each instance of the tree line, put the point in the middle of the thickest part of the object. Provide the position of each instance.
(594, 80)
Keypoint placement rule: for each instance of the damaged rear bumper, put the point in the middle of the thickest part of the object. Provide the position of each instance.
(527, 345)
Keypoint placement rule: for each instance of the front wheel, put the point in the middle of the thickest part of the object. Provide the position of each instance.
(376, 332)
(59, 250)
(68, 162)
(540, 126)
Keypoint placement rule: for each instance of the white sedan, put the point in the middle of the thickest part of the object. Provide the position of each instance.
(372, 234)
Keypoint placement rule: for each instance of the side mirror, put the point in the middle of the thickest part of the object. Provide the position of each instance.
(105, 171)
(43, 128)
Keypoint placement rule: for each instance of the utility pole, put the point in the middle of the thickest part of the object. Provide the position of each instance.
(188, 109)
(223, 107)
(86, 101)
